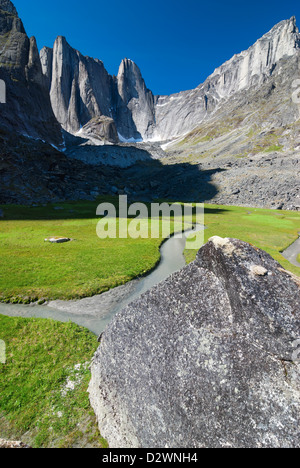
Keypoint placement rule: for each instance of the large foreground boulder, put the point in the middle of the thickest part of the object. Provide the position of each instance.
(207, 358)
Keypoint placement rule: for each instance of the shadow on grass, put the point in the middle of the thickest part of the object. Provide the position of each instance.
(76, 210)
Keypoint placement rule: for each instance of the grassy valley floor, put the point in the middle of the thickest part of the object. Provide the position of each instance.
(32, 269)
(270, 230)
(43, 384)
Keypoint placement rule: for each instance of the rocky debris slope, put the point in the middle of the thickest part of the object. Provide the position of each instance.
(32, 172)
(265, 180)
(142, 172)
(85, 172)
(205, 359)
(123, 155)
(28, 109)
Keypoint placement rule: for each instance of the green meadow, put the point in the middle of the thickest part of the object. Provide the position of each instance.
(269, 230)
(43, 384)
(32, 269)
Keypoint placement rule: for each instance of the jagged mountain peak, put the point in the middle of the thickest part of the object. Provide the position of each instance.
(285, 31)
(62, 39)
(130, 75)
(281, 40)
(81, 88)
(62, 44)
(8, 6)
(135, 112)
(128, 64)
(129, 78)
(28, 109)
(9, 19)
(291, 23)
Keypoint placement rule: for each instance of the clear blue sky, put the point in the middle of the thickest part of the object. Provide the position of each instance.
(176, 44)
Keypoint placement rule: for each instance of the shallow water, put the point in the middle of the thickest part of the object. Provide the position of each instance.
(96, 312)
(292, 252)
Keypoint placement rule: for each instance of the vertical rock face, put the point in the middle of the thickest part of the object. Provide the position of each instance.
(135, 113)
(207, 358)
(28, 108)
(180, 113)
(46, 56)
(80, 87)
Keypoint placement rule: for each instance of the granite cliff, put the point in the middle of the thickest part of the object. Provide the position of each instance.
(81, 88)
(28, 109)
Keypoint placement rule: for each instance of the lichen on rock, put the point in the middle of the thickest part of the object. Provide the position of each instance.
(204, 359)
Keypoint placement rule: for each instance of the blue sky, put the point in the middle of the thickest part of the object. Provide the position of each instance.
(176, 44)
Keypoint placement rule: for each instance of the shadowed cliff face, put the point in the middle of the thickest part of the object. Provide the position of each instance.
(134, 111)
(28, 109)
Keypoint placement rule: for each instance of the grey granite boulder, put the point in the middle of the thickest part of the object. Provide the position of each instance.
(101, 129)
(207, 358)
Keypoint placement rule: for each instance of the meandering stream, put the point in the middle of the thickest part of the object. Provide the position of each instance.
(96, 312)
(292, 252)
